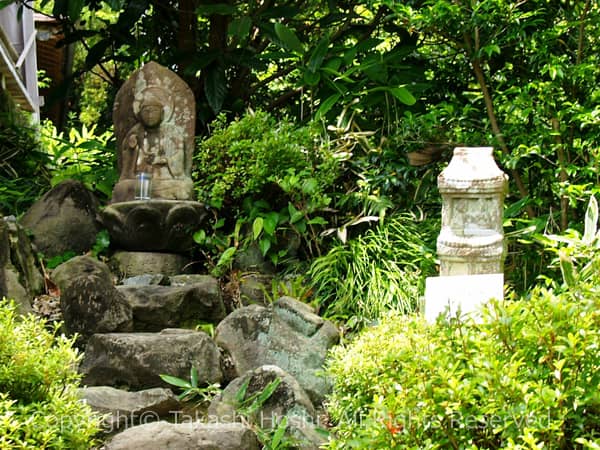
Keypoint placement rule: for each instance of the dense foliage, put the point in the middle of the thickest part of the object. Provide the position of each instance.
(39, 404)
(382, 270)
(525, 375)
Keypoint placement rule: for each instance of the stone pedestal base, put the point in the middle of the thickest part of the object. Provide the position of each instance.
(464, 294)
(131, 264)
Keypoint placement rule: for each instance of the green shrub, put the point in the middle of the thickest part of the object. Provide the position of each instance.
(246, 157)
(39, 405)
(384, 269)
(81, 155)
(526, 376)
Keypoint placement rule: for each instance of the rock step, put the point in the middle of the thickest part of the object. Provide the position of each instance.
(136, 360)
(124, 409)
(157, 307)
(185, 436)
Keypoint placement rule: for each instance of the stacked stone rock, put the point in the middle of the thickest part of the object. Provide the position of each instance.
(135, 317)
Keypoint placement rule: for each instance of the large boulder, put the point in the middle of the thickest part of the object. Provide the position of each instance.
(20, 278)
(123, 409)
(158, 307)
(63, 220)
(90, 302)
(185, 436)
(137, 359)
(288, 334)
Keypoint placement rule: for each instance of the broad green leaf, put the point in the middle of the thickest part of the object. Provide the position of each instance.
(318, 55)
(317, 221)
(222, 9)
(279, 432)
(327, 105)
(5, 3)
(226, 257)
(264, 244)
(175, 381)
(288, 38)
(295, 215)
(240, 27)
(270, 223)
(567, 268)
(312, 78)
(194, 376)
(199, 237)
(403, 94)
(591, 221)
(215, 87)
(257, 227)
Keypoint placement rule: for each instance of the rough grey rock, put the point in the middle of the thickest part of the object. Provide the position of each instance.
(288, 399)
(186, 436)
(23, 258)
(64, 219)
(251, 259)
(20, 279)
(146, 280)
(253, 287)
(137, 359)
(153, 226)
(187, 279)
(126, 409)
(131, 264)
(90, 303)
(287, 334)
(158, 307)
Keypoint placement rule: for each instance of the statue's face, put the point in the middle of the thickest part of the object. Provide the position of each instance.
(151, 115)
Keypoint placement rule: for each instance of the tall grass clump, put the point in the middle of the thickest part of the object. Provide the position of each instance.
(39, 404)
(382, 270)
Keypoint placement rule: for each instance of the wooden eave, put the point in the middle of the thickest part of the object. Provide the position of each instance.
(11, 80)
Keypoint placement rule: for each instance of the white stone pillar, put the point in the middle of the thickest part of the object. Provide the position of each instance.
(471, 242)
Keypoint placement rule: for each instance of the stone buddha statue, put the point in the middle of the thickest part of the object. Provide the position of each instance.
(154, 117)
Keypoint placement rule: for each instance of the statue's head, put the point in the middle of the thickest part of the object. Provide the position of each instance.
(152, 106)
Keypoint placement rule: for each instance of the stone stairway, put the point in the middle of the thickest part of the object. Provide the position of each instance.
(144, 326)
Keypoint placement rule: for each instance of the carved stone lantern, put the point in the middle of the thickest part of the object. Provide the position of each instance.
(472, 189)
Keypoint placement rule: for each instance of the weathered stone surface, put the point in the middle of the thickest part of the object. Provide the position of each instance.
(187, 279)
(20, 278)
(64, 219)
(146, 280)
(289, 399)
(288, 334)
(158, 307)
(153, 225)
(251, 259)
(89, 301)
(253, 287)
(23, 258)
(137, 359)
(154, 115)
(185, 436)
(126, 409)
(132, 264)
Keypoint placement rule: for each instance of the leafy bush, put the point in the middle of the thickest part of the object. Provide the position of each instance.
(384, 269)
(22, 164)
(525, 376)
(39, 405)
(81, 155)
(246, 157)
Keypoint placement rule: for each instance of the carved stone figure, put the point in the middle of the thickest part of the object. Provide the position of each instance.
(154, 117)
